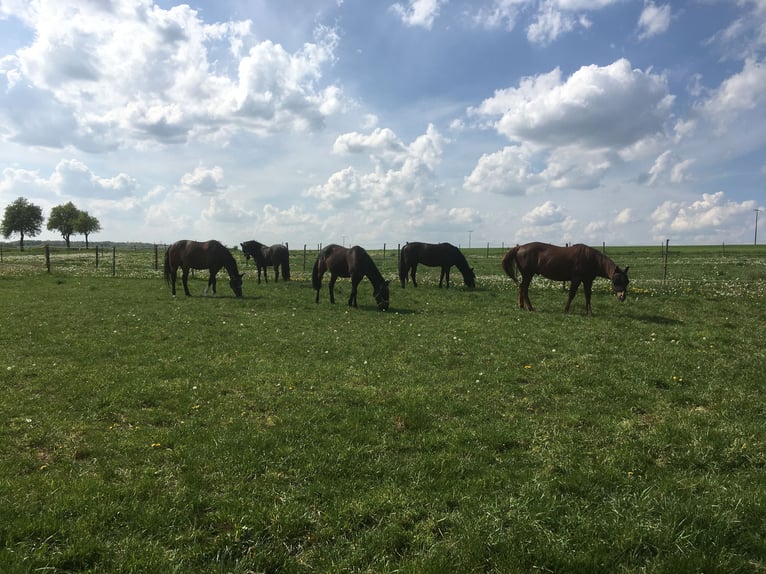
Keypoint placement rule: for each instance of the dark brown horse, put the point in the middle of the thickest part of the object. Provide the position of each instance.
(443, 255)
(578, 264)
(194, 255)
(266, 256)
(354, 262)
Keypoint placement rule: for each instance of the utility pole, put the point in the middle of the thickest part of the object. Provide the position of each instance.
(755, 237)
(469, 238)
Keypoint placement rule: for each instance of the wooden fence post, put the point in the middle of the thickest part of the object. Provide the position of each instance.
(665, 266)
(48, 258)
(114, 261)
(96, 256)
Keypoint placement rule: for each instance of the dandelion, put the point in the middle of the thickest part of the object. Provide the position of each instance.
(156, 445)
(527, 366)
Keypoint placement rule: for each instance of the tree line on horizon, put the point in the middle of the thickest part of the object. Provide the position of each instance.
(26, 219)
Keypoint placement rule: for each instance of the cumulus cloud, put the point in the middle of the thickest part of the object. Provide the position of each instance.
(72, 178)
(712, 216)
(418, 12)
(203, 180)
(110, 75)
(401, 177)
(597, 106)
(654, 20)
(546, 214)
(668, 167)
(741, 92)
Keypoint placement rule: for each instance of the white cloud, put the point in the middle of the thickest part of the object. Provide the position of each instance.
(743, 91)
(668, 167)
(654, 20)
(609, 106)
(713, 216)
(110, 75)
(203, 180)
(74, 179)
(543, 215)
(418, 12)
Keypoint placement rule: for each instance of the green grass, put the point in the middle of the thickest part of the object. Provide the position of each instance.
(143, 433)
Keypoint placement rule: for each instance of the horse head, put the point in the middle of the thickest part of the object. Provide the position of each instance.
(235, 283)
(381, 296)
(245, 250)
(470, 278)
(620, 282)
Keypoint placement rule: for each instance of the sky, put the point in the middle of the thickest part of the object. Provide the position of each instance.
(624, 122)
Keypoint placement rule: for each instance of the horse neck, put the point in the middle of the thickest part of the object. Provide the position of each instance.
(373, 273)
(607, 267)
(462, 264)
(231, 265)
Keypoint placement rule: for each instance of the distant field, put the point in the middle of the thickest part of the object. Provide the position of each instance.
(454, 433)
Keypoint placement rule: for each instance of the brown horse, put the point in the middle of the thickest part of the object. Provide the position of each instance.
(578, 264)
(355, 263)
(443, 255)
(265, 256)
(194, 255)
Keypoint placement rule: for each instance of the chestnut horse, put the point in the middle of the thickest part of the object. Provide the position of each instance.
(265, 256)
(354, 262)
(443, 255)
(578, 264)
(210, 255)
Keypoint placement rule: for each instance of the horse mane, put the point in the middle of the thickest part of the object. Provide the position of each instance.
(606, 266)
(230, 264)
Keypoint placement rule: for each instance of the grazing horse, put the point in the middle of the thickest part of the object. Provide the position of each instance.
(354, 262)
(578, 264)
(443, 255)
(265, 256)
(194, 255)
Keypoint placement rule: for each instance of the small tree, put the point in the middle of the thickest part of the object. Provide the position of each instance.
(63, 219)
(87, 224)
(23, 218)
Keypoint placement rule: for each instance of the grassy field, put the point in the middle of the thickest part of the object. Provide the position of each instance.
(454, 433)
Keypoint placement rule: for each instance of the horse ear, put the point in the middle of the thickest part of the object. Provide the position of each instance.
(241, 275)
(626, 270)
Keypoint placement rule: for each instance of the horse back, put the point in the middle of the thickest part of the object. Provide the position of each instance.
(558, 263)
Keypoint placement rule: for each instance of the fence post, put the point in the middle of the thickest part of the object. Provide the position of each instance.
(156, 258)
(48, 258)
(96, 256)
(304, 257)
(665, 266)
(384, 251)
(114, 261)
(487, 249)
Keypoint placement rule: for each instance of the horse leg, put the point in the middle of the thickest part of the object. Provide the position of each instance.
(446, 275)
(210, 283)
(526, 280)
(587, 287)
(173, 277)
(355, 280)
(276, 273)
(412, 273)
(333, 278)
(573, 287)
(185, 280)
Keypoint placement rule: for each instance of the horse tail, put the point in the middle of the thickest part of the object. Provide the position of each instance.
(286, 267)
(315, 280)
(402, 267)
(509, 264)
(166, 266)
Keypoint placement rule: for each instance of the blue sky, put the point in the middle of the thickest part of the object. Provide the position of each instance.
(350, 121)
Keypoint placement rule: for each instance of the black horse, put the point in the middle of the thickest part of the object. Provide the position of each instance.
(268, 255)
(354, 262)
(443, 255)
(210, 255)
(577, 263)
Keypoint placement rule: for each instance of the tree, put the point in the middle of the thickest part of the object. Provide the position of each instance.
(87, 224)
(63, 219)
(23, 218)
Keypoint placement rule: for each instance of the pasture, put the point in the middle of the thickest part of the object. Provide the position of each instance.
(452, 433)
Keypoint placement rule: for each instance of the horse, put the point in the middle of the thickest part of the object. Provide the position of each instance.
(577, 263)
(210, 255)
(352, 262)
(443, 255)
(265, 255)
